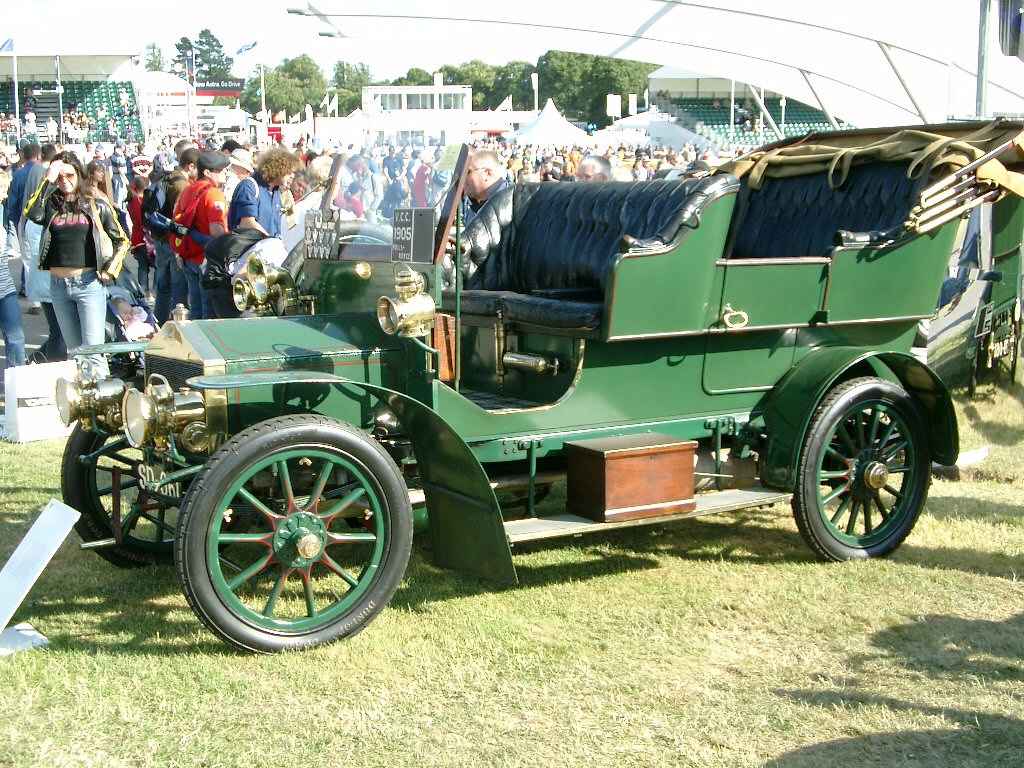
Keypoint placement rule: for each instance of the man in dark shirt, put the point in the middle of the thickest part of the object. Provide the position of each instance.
(485, 178)
(17, 197)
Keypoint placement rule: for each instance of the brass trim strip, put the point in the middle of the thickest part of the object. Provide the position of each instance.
(781, 327)
(785, 260)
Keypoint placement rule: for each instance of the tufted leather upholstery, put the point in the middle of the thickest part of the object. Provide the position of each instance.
(538, 239)
(802, 215)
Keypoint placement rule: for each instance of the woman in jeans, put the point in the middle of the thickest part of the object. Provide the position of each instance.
(73, 247)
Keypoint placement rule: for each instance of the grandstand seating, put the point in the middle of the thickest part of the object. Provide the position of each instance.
(90, 95)
(701, 115)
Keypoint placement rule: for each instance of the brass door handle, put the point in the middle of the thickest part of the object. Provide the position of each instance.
(734, 319)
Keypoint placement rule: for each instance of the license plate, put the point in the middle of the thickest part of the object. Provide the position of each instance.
(153, 473)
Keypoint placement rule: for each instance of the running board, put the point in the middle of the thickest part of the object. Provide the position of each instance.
(534, 529)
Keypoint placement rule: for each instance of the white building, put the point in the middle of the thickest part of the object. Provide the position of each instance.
(426, 114)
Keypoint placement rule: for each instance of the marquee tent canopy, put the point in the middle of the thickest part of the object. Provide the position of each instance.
(875, 62)
(551, 129)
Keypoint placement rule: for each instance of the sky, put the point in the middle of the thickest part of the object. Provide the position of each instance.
(933, 43)
(280, 34)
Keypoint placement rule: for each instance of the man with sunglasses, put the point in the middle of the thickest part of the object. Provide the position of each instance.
(485, 177)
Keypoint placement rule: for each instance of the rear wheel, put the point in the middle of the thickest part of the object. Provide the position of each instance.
(100, 479)
(297, 532)
(864, 471)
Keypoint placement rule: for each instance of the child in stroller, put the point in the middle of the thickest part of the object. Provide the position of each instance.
(128, 316)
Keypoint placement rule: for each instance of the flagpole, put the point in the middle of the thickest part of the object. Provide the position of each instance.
(263, 94)
(17, 101)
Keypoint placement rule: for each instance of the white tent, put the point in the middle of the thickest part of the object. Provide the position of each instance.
(875, 62)
(550, 129)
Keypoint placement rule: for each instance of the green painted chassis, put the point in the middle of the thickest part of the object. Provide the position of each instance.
(663, 361)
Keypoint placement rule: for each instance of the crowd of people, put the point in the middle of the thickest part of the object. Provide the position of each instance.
(71, 217)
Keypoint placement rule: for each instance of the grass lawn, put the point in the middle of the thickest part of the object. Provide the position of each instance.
(712, 642)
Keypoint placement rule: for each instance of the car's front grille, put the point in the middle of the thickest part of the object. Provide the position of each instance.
(177, 372)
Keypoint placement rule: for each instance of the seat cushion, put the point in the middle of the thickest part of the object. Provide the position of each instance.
(800, 215)
(552, 313)
(475, 302)
(569, 235)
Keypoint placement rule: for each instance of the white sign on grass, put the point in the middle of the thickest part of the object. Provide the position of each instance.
(33, 553)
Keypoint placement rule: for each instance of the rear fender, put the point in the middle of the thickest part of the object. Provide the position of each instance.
(465, 519)
(793, 401)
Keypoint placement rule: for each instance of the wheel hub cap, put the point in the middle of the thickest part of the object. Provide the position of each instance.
(876, 475)
(308, 546)
(300, 540)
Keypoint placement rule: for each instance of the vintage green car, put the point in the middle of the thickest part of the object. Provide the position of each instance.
(667, 348)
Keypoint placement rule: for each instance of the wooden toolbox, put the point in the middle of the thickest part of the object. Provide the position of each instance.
(629, 477)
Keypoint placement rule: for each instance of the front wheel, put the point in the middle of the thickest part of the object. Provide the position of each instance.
(100, 479)
(297, 532)
(863, 472)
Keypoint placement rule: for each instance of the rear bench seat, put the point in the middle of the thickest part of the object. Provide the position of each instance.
(542, 254)
(805, 216)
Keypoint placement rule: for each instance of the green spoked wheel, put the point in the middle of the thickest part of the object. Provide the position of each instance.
(297, 532)
(864, 471)
(104, 488)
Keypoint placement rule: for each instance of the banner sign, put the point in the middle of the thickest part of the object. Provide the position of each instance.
(231, 87)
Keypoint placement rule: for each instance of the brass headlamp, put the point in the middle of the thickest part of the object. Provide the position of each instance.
(87, 396)
(411, 314)
(156, 412)
(264, 285)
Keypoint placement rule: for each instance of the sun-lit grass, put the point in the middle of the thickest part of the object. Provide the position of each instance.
(712, 642)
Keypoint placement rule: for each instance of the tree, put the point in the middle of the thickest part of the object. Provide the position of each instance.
(477, 74)
(414, 76)
(182, 47)
(349, 81)
(291, 85)
(579, 83)
(154, 58)
(513, 79)
(564, 77)
(211, 61)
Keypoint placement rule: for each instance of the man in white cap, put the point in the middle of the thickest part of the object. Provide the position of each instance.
(240, 167)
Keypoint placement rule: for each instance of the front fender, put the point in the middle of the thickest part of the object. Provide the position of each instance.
(793, 401)
(466, 525)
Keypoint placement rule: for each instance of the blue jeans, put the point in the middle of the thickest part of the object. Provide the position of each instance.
(200, 307)
(171, 288)
(53, 349)
(143, 260)
(80, 304)
(14, 333)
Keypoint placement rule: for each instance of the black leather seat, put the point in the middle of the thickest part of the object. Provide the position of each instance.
(543, 253)
(802, 215)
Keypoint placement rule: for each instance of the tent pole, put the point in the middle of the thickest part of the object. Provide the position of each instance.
(981, 106)
(764, 111)
(899, 76)
(817, 97)
(732, 111)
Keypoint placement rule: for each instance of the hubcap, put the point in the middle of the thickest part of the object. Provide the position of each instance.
(299, 539)
(876, 475)
(297, 560)
(308, 546)
(865, 474)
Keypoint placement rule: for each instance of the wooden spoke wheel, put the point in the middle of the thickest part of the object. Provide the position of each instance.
(297, 532)
(864, 471)
(100, 479)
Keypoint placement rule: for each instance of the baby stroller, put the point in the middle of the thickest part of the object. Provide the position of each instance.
(126, 288)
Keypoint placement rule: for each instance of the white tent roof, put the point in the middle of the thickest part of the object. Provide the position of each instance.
(874, 62)
(551, 129)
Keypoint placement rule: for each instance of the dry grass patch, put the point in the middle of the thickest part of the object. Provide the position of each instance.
(713, 642)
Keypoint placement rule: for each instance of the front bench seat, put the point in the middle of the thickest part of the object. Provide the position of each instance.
(543, 253)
